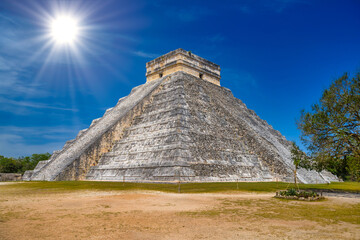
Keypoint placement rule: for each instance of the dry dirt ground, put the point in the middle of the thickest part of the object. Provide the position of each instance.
(157, 215)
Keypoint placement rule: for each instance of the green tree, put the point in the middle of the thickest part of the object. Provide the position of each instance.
(29, 163)
(9, 165)
(353, 167)
(300, 159)
(20, 165)
(331, 130)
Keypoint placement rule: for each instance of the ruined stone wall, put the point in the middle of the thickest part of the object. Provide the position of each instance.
(181, 60)
(179, 66)
(171, 68)
(4, 177)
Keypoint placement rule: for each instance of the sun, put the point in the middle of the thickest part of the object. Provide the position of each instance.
(64, 29)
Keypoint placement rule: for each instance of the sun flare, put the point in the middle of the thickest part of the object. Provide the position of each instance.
(64, 29)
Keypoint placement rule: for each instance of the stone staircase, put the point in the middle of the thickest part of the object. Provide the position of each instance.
(73, 149)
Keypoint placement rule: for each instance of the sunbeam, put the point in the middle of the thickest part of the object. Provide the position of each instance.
(67, 50)
(64, 29)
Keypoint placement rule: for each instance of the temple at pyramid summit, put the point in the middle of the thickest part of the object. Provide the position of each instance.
(181, 125)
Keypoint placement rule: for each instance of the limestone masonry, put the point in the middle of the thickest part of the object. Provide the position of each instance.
(181, 60)
(179, 125)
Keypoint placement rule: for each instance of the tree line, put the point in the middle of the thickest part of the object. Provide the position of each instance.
(330, 131)
(21, 164)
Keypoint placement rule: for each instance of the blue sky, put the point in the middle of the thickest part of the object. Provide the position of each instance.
(276, 56)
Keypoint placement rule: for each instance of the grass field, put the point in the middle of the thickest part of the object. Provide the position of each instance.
(30, 187)
(113, 210)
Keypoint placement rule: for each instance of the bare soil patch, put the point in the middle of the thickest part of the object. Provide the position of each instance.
(158, 215)
(8, 183)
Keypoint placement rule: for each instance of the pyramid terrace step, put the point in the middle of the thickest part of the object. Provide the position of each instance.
(143, 162)
(157, 148)
(136, 167)
(170, 120)
(132, 149)
(150, 153)
(184, 134)
(171, 92)
(183, 161)
(171, 103)
(172, 99)
(148, 141)
(121, 156)
(147, 133)
(170, 111)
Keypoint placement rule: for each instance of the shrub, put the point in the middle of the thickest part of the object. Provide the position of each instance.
(292, 192)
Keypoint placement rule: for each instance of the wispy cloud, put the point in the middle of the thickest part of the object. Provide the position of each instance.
(20, 92)
(144, 54)
(15, 49)
(13, 83)
(39, 131)
(23, 141)
(14, 146)
(4, 105)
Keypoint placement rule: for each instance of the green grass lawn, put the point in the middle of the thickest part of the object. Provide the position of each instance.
(323, 212)
(32, 187)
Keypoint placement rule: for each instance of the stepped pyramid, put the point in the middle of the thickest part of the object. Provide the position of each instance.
(179, 125)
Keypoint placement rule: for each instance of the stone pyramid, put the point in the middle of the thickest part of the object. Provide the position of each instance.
(179, 125)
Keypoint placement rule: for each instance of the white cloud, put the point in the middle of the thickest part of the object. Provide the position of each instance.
(14, 141)
(4, 65)
(12, 146)
(19, 91)
(145, 54)
(15, 50)
(6, 102)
